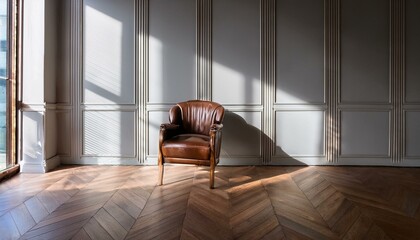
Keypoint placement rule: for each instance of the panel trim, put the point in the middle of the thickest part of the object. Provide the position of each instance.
(76, 65)
(299, 107)
(143, 78)
(268, 77)
(204, 49)
(332, 75)
(411, 107)
(397, 78)
(116, 107)
(365, 107)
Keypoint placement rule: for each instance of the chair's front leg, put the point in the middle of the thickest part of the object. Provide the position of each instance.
(160, 163)
(212, 167)
(162, 133)
(212, 157)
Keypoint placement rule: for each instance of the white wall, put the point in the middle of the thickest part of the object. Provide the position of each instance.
(38, 117)
(298, 90)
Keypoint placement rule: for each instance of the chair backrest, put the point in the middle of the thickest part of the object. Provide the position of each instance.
(196, 116)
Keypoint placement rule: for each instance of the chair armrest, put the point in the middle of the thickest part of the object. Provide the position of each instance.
(169, 126)
(216, 127)
(167, 130)
(216, 139)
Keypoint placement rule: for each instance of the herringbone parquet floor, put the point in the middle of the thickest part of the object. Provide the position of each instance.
(123, 202)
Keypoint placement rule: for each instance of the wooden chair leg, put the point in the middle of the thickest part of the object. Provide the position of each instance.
(212, 167)
(160, 162)
(160, 182)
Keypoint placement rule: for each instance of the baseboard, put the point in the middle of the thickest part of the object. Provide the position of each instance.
(240, 161)
(52, 163)
(31, 167)
(233, 161)
(254, 161)
(100, 161)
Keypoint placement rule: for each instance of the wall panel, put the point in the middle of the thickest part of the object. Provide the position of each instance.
(50, 147)
(109, 133)
(236, 52)
(33, 52)
(412, 51)
(300, 79)
(412, 134)
(241, 135)
(63, 53)
(300, 51)
(64, 133)
(172, 57)
(156, 118)
(365, 133)
(364, 51)
(300, 133)
(109, 52)
(33, 142)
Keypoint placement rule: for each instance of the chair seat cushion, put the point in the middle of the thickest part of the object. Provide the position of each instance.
(192, 146)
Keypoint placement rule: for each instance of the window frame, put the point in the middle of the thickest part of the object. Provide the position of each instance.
(12, 79)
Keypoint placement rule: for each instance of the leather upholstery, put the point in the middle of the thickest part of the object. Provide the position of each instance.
(193, 136)
(196, 116)
(194, 146)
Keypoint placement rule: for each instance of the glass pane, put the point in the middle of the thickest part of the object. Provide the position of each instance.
(3, 38)
(3, 82)
(3, 124)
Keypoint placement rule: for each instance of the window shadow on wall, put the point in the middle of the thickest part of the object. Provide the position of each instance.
(109, 77)
(237, 80)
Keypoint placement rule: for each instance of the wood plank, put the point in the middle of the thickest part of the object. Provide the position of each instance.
(22, 218)
(81, 235)
(120, 215)
(8, 227)
(117, 202)
(37, 210)
(96, 231)
(112, 226)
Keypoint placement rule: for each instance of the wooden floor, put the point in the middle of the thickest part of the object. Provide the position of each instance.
(123, 202)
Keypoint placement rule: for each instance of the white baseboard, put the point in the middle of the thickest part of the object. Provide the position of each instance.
(52, 163)
(100, 161)
(31, 167)
(254, 161)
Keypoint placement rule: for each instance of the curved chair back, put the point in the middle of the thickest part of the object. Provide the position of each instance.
(196, 116)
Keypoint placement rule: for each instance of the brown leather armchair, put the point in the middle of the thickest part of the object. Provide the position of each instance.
(193, 136)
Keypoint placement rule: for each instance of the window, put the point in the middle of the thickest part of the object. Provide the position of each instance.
(8, 9)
